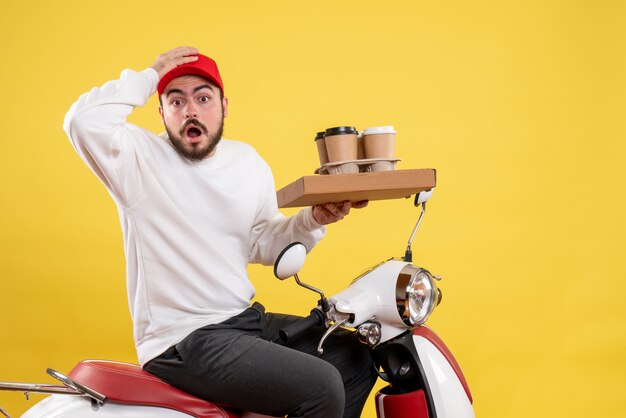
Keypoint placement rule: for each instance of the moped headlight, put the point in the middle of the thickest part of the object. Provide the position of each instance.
(416, 295)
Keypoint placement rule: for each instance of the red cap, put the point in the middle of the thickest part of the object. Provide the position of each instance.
(203, 67)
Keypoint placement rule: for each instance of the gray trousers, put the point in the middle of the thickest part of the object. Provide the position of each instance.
(235, 363)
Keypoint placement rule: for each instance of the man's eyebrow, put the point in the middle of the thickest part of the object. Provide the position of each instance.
(203, 86)
(173, 91)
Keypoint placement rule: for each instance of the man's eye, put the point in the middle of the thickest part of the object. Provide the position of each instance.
(204, 99)
(177, 102)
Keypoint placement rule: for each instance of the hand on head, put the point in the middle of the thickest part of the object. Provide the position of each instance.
(170, 59)
(328, 213)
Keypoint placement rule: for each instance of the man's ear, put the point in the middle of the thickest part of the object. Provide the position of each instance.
(225, 105)
(161, 113)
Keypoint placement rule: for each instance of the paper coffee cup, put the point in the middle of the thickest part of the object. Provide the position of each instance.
(341, 143)
(360, 154)
(321, 148)
(379, 142)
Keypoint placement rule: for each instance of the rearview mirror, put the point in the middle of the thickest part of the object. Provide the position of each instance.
(290, 261)
(422, 197)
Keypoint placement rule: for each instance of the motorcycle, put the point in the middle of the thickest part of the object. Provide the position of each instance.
(387, 306)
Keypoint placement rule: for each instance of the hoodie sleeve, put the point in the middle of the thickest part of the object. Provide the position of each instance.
(273, 231)
(97, 127)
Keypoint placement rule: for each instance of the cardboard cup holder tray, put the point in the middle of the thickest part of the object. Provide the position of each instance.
(358, 166)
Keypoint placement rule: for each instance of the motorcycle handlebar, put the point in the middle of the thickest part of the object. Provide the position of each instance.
(315, 318)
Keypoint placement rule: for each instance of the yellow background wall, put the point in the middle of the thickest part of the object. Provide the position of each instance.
(519, 105)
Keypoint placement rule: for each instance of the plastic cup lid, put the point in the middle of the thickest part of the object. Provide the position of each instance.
(341, 130)
(379, 130)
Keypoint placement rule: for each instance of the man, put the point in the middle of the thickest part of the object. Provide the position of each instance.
(195, 210)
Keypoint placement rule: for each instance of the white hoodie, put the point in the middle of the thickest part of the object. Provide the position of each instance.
(190, 228)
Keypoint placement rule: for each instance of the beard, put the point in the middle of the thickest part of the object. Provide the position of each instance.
(196, 152)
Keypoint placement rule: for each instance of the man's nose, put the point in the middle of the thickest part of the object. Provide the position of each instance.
(190, 111)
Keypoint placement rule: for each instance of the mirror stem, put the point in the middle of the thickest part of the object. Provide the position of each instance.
(323, 301)
(408, 255)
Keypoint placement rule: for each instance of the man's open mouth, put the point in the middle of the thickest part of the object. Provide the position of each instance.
(193, 132)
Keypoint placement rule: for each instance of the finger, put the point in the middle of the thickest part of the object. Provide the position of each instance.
(179, 56)
(173, 58)
(182, 57)
(344, 207)
(335, 209)
(360, 204)
(327, 215)
(186, 59)
(322, 215)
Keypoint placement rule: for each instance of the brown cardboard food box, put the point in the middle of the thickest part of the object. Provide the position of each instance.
(312, 190)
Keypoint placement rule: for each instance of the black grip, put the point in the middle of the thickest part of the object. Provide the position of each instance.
(316, 317)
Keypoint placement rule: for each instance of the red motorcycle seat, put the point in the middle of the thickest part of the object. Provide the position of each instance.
(130, 384)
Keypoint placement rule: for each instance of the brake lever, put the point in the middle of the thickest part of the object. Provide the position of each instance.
(337, 324)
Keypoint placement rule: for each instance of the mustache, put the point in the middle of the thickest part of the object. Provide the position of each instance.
(195, 122)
